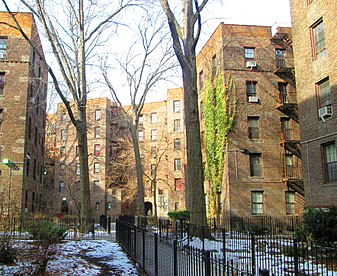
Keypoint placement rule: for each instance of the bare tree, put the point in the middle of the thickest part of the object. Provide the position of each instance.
(148, 61)
(185, 37)
(73, 39)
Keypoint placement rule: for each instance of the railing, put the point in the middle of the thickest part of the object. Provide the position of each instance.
(173, 251)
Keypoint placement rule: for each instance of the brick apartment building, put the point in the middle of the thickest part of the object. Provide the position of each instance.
(23, 92)
(315, 58)
(263, 160)
(161, 137)
(162, 141)
(63, 163)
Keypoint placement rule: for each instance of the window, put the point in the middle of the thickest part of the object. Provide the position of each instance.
(318, 39)
(63, 135)
(35, 136)
(253, 128)
(3, 46)
(280, 58)
(63, 117)
(97, 132)
(323, 91)
(97, 205)
(290, 203)
(61, 187)
(97, 150)
(153, 135)
(96, 167)
(176, 206)
(176, 106)
(140, 120)
(201, 79)
(96, 185)
(249, 53)
(76, 151)
(29, 127)
(62, 151)
(178, 184)
(177, 164)
(177, 144)
(214, 63)
(160, 198)
(285, 128)
(108, 205)
(153, 151)
(289, 165)
(330, 162)
(34, 168)
(77, 169)
(255, 165)
(282, 88)
(97, 114)
(27, 165)
(257, 203)
(62, 168)
(153, 170)
(141, 135)
(176, 125)
(2, 83)
(153, 118)
(251, 88)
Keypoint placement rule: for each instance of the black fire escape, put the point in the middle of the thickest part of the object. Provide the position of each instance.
(287, 104)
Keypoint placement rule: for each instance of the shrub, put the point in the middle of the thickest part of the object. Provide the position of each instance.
(47, 231)
(320, 225)
(179, 215)
(8, 255)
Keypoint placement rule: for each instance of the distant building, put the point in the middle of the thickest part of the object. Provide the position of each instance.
(161, 136)
(315, 57)
(63, 161)
(23, 94)
(263, 167)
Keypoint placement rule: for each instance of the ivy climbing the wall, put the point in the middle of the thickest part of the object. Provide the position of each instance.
(219, 111)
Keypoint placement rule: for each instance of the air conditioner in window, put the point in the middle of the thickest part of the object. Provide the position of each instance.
(253, 99)
(251, 63)
(2, 55)
(325, 112)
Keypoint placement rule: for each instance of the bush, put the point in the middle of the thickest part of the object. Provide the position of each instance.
(8, 255)
(179, 215)
(47, 231)
(320, 225)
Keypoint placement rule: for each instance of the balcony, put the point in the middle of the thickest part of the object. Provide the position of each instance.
(288, 105)
(285, 69)
(290, 142)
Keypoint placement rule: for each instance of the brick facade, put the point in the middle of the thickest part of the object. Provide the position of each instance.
(225, 50)
(22, 115)
(312, 70)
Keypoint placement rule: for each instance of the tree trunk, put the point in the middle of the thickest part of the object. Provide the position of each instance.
(195, 173)
(140, 206)
(84, 175)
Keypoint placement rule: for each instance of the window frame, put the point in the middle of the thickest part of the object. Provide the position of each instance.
(97, 132)
(61, 187)
(98, 114)
(251, 88)
(3, 49)
(177, 125)
(96, 167)
(2, 83)
(257, 204)
(177, 144)
(319, 86)
(176, 106)
(63, 135)
(255, 156)
(177, 164)
(154, 118)
(97, 150)
(326, 176)
(153, 135)
(249, 56)
(178, 184)
(318, 52)
(253, 132)
(141, 135)
(290, 203)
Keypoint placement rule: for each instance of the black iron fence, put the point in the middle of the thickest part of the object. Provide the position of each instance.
(171, 250)
(19, 227)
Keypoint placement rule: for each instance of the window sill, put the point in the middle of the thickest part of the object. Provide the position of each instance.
(330, 184)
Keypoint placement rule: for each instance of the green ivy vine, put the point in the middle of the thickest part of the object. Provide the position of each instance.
(219, 110)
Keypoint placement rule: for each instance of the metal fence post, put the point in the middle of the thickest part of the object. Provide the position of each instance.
(109, 225)
(175, 258)
(224, 244)
(93, 229)
(253, 254)
(155, 254)
(207, 261)
(295, 256)
(143, 231)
